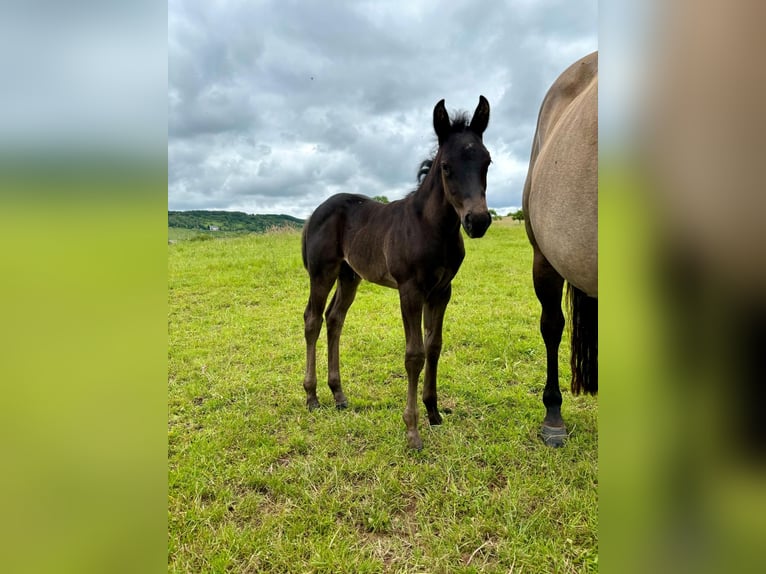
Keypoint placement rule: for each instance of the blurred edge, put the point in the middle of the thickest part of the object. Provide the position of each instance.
(84, 369)
(683, 287)
(682, 274)
(83, 199)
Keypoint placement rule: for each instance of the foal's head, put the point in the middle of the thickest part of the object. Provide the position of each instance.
(462, 162)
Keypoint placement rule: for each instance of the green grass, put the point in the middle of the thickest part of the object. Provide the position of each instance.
(184, 234)
(259, 484)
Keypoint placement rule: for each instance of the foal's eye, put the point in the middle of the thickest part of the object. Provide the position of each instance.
(446, 170)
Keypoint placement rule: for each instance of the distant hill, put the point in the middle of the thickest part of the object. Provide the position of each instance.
(230, 221)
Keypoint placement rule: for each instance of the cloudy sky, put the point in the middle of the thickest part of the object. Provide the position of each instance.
(273, 106)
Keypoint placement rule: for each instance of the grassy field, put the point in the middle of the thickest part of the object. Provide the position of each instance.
(259, 484)
(182, 234)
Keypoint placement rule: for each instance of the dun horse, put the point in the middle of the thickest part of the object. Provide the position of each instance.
(413, 245)
(561, 217)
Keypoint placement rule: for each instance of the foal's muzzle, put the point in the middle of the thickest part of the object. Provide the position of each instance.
(476, 223)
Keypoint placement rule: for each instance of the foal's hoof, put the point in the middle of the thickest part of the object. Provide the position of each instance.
(414, 441)
(553, 436)
(434, 418)
(312, 404)
(341, 406)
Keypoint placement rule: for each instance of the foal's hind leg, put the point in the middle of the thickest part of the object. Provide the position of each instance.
(548, 287)
(312, 317)
(433, 319)
(344, 295)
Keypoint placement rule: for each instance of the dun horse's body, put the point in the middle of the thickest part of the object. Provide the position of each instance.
(560, 204)
(413, 245)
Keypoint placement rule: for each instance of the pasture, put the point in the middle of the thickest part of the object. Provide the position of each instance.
(259, 484)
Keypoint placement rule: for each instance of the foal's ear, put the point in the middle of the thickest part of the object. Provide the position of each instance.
(480, 116)
(441, 122)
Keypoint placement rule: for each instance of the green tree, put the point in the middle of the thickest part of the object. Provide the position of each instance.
(517, 215)
(381, 198)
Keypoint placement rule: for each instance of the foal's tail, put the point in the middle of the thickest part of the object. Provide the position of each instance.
(583, 320)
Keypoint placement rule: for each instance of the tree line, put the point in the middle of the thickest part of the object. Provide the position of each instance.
(230, 221)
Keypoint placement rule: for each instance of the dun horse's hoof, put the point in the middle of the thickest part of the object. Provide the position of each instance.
(553, 436)
(312, 404)
(341, 406)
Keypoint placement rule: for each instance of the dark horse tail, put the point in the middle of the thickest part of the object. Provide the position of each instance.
(303, 244)
(583, 321)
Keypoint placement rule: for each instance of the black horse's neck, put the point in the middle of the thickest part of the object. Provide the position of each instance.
(430, 201)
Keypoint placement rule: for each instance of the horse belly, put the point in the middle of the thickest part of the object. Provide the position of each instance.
(565, 225)
(563, 202)
(373, 275)
(578, 266)
(567, 235)
(370, 268)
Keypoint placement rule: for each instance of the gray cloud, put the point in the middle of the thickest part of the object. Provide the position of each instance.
(274, 106)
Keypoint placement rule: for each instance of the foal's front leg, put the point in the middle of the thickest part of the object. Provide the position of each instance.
(411, 302)
(433, 318)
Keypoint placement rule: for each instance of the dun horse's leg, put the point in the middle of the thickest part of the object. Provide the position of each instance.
(433, 319)
(411, 302)
(548, 287)
(348, 281)
(312, 318)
